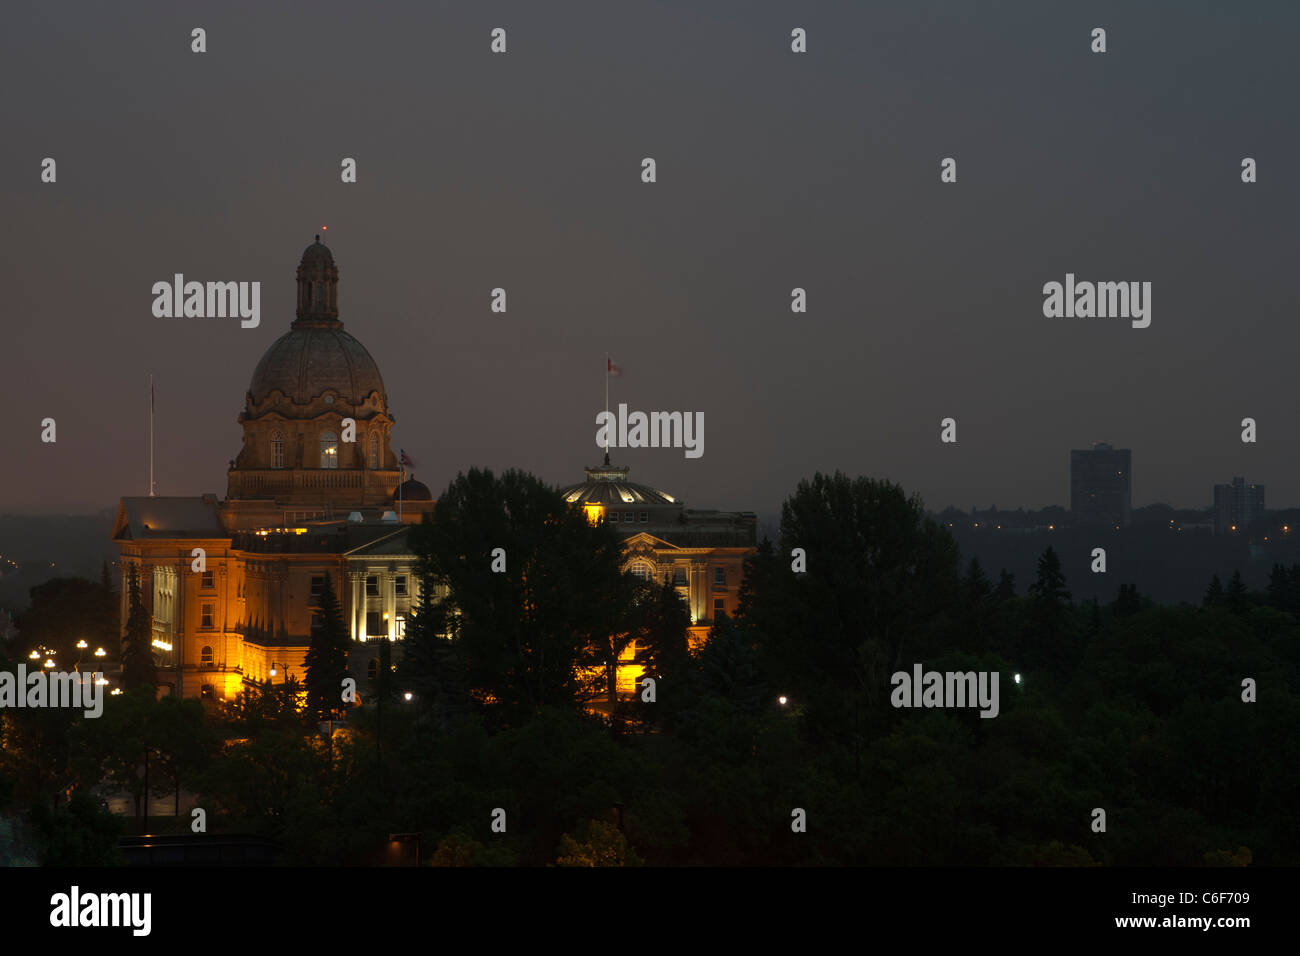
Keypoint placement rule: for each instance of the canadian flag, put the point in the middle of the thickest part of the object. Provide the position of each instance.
(611, 368)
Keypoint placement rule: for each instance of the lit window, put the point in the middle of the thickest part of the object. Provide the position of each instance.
(205, 655)
(329, 450)
(209, 612)
(641, 572)
(400, 626)
(277, 450)
(373, 456)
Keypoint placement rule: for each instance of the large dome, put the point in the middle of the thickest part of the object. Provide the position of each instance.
(316, 356)
(304, 363)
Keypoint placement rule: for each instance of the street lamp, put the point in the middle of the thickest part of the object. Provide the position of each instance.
(100, 652)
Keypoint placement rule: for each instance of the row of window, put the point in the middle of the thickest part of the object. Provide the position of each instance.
(329, 450)
(628, 517)
(372, 585)
(643, 572)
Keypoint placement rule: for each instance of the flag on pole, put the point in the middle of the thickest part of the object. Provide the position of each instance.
(406, 459)
(613, 369)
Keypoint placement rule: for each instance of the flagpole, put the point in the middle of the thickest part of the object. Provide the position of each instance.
(151, 486)
(606, 408)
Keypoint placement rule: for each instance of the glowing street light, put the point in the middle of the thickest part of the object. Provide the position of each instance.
(82, 645)
(1017, 678)
(35, 655)
(49, 662)
(100, 652)
(408, 695)
(782, 700)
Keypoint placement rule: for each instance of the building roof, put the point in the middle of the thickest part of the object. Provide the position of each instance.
(143, 518)
(412, 490)
(304, 363)
(608, 485)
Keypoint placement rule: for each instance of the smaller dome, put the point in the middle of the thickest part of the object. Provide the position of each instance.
(412, 490)
(608, 485)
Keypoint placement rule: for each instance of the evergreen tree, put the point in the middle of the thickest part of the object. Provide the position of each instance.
(138, 669)
(1214, 593)
(327, 657)
(1237, 601)
(661, 621)
(1006, 589)
(1050, 589)
(975, 586)
(1280, 588)
(1128, 602)
(431, 665)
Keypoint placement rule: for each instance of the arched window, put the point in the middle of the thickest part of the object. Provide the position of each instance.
(374, 450)
(642, 569)
(205, 656)
(277, 449)
(329, 450)
(320, 293)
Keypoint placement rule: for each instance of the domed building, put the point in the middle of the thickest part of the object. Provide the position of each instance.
(313, 381)
(701, 552)
(315, 491)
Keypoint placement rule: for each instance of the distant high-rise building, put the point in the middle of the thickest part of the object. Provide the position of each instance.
(1237, 505)
(1101, 485)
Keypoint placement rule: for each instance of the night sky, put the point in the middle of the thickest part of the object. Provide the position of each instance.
(775, 170)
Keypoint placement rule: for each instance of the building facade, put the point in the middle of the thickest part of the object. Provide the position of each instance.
(1237, 505)
(1101, 486)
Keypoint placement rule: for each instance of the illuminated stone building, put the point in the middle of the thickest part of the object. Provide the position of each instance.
(303, 503)
(308, 495)
(701, 552)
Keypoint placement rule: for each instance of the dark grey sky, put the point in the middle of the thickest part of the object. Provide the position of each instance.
(775, 170)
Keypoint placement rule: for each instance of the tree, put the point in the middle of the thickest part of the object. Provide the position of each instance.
(975, 586)
(1214, 593)
(138, 669)
(1006, 589)
(1236, 598)
(1128, 601)
(1049, 588)
(327, 658)
(519, 630)
(661, 620)
(882, 583)
(431, 665)
(1281, 588)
